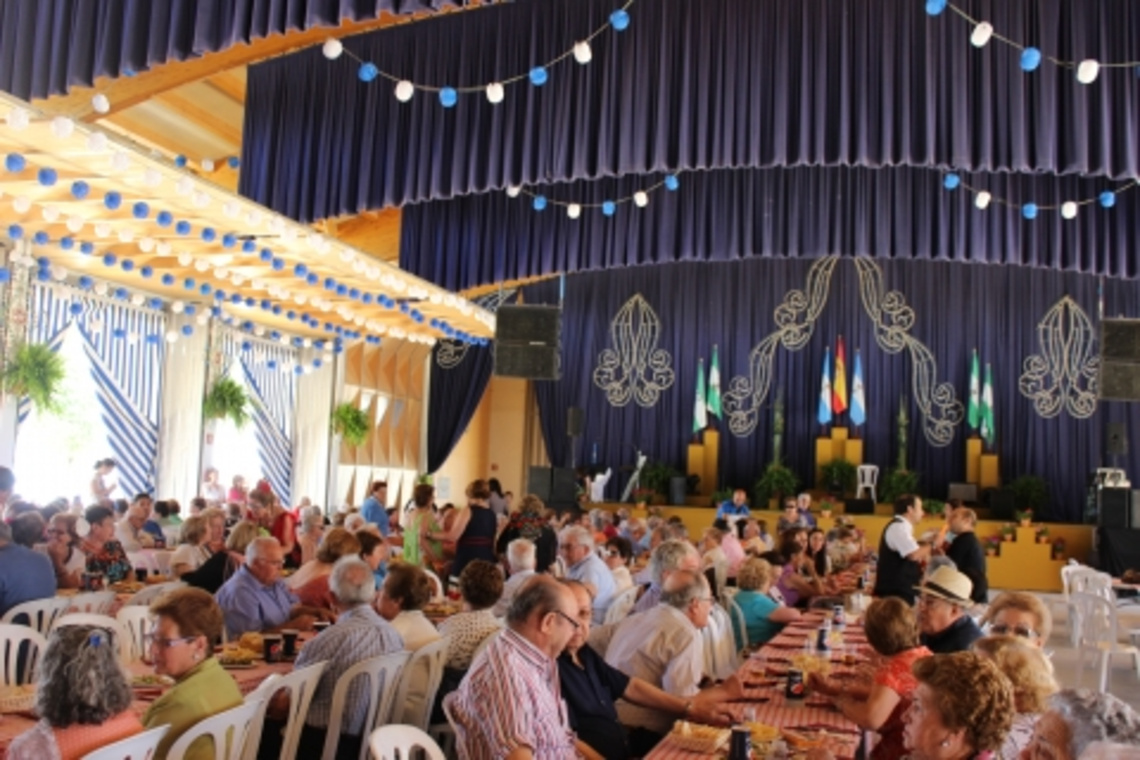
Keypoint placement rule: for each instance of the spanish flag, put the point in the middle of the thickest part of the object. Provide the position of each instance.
(839, 385)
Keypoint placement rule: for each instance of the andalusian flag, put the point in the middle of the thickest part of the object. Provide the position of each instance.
(858, 399)
(988, 408)
(839, 386)
(714, 386)
(700, 412)
(824, 414)
(974, 412)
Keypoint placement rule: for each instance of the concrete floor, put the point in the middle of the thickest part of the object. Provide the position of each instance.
(1124, 682)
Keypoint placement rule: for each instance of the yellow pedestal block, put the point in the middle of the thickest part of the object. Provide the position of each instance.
(823, 455)
(990, 472)
(712, 457)
(853, 451)
(974, 460)
(1025, 564)
(696, 466)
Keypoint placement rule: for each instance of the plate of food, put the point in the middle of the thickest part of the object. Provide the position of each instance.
(237, 657)
(126, 587)
(696, 737)
(762, 733)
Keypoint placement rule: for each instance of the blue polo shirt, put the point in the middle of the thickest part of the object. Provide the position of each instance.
(249, 605)
(590, 692)
(728, 509)
(373, 511)
(25, 576)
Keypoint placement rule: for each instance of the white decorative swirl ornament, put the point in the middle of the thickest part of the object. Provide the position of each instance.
(1064, 375)
(450, 354)
(940, 407)
(635, 369)
(795, 321)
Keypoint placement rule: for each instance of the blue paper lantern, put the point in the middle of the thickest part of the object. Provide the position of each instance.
(951, 181)
(110, 259)
(189, 283)
(404, 308)
(15, 231)
(250, 302)
(290, 315)
(43, 275)
(298, 369)
(366, 299)
(1029, 210)
(127, 265)
(47, 176)
(41, 238)
(155, 302)
(208, 234)
(219, 295)
(276, 309)
(619, 20)
(229, 240)
(354, 293)
(265, 255)
(341, 289)
(75, 308)
(146, 272)
(187, 330)
(153, 339)
(86, 248)
(183, 227)
(300, 270)
(216, 311)
(672, 183)
(246, 345)
(330, 283)
(448, 97)
(80, 189)
(164, 218)
(935, 7)
(1030, 59)
(122, 294)
(86, 282)
(14, 162)
(1107, 199)
(538, 76)
(168, 279)
(235, 298)
(180, 160)
(265, 304)
(205, 288)
(367, 72)
(140, 210)
(119, 333)
(313, 278)
(248, 246)
(66, 243)
(539, 202)
(190, 309)
(271, 364)
(43, 262)
(234, 162)
(608, 208)
(316, 363)
(277, 265)
(112, 200)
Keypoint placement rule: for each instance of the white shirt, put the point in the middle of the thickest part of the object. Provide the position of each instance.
(663, 647)
(622, 579)
(186, 554)
(415, 629)
(131, 539)
(510, 588)
(598, 485)
(900, 537)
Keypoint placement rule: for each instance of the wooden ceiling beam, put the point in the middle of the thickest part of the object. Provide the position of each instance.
(230, 83)
(202, 117)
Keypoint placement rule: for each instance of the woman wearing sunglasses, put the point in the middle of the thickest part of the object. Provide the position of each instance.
(1021, 614)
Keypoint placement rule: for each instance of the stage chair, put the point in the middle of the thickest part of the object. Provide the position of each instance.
(418, 684)
(39, 614)
(230, 731)
(383, 675)
(621, 605)
(20, 650)
(138, 747)
(868, 479)
(106, 622)
(401, 742)
(1094, 622)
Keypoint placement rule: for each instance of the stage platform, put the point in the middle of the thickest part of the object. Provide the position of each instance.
(1021, 564)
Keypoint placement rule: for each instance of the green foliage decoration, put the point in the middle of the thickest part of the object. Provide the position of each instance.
(350, 423)
(777, 481)
(227, 400)
(35, 371)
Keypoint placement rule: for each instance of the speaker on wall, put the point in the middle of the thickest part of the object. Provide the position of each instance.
(538, 482)
(532, 363)
(575, 421)
(563, 488)
(1119, 378)
(1116, 439)
(528, 342)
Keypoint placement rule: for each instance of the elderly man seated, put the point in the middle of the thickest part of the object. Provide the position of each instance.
(130, 531)
(583, 564)
(663, 647)
(669, 557)
(521, 559)
(942, 603)
(359, 634)
(256, 599)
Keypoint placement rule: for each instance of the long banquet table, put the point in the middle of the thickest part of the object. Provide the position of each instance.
(764, 678)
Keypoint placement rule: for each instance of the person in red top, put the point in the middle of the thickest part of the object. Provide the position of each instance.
(881, 705)
(280, 523)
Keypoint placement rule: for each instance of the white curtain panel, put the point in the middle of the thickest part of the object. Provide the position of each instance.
(183, 387)
(312, 432)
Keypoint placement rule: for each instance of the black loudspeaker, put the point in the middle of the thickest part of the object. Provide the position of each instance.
(575, 421)
(1120, 359)
(677, 490)
(1116, 439)
(530, 362)
(967, 492)
(859, 506)
(563, 488)
(1115, 507)
(538, 482)
(528, 342)
(1001, 502)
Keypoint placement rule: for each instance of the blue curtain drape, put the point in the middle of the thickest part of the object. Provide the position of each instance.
(719, 83)
(895, 213)
(957, 307)
(48, 46)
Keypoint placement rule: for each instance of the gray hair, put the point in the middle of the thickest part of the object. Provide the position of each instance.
(354, 522)
(598, 518)
(80, 679)
(678, 531)
(576, 534)
(521, 554)
(352, 581)
(256, 546)
(539, 595)
(1093, 716)
(683, 587)
(653, 522)
(311, 519)
(667, 557)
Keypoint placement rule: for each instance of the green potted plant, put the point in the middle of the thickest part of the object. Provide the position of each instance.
(826, 507)
(1058, 548)
(351, 423)
(721, 496)
(839, 476)
(1008, 533)
(226, 400)
(1030, 492)
(641, 496)
(993, 546)
(934, 507)
(898, 482)
(1043, 535)
(35, 371)
(1025, 517)
(656, 476)
(777, 481)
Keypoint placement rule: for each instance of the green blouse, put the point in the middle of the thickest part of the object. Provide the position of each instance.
(206, 690)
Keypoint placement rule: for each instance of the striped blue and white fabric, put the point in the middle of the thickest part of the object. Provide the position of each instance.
(125, 346)
(267, 369)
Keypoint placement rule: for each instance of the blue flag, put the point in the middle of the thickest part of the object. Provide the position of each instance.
(858, 411)
(824, 415)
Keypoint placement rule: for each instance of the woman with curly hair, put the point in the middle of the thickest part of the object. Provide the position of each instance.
(530, 523)
(480, 586)
(401, 601)
(1076, 720)
(1031, 674)
(962, 708)
(83, 698)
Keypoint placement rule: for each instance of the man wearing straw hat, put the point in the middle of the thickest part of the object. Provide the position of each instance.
(942, 603)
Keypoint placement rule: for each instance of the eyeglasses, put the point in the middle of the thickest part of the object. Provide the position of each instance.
(568, 619)
(1001, 629)
(154, 640)
(274, 563)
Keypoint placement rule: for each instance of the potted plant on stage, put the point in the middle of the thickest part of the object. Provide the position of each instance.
(839, 477)
(993, 545)
(1058, 548)
(1008, 533)
(826, 507)
(641, 496)
(934, 507)
(777, 482)
(1025, 517)
(351, 423)
(226, 400)
(721, 496)
(35, 371)
(1030, 493)
(1043, 535)
(898, 482)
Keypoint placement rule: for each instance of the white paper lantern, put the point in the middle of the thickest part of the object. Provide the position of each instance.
(18, 119)
(164, 248)
(574, 211)
(132, 337)
(50, 213)
(201, 199)
(102, 230)
(237, 280)
(120, 161)
(253, 217)
(495, 92)
(300, 299)
(405, 90)
(184, 186)
(126, 235)
(146, 244)
(1088, 70)
(207, 164)
(259, 331)
(101, 290)
(221, 273)
(100, 103)
(58, 273)
(62, 127)
(230, 209)
(202, 265)
(177, 307)
(332, 49)
(97, 142)
(202, 319)
(1069, 210)
(74, 223)
(138, 299)
(582, 52)
(21, 204)
(641, 199)
(171, 336)
(307, 343)
(982, 201)
(185, 259)
(983, 32)
(152, 177)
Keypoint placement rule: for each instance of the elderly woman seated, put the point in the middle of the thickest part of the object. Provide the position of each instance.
(764, 617)
(1021, 614)
(309, 533)
(311, 582)
(1031, 674)
(962, 708)
(401, 600)
(83, 697)
(480, 586)
(618, 553)
(1076, 720)
(191, 553)
(893, 633)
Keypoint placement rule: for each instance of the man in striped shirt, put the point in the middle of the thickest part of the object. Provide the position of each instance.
(509, 706)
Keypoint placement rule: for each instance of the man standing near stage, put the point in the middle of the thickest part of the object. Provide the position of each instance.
(900, 556)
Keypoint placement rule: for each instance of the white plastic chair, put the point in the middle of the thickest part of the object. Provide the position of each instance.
(143, 561)
(92, 603)
(400, 742)
(137, 622)
(150, 593)
(437, 586)
(383, 675)
(230, 730)
(38, 614)
(738, 618)
(418, 685)
(721, 658)
(122, 636)
(20, 650)
(621, 605)
(1093, 622)
(138, 747)
(162, 560)
(868, 479)
(301, 685)
(264, 691)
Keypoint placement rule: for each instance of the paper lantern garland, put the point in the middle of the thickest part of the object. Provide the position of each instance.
(1030, 210)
